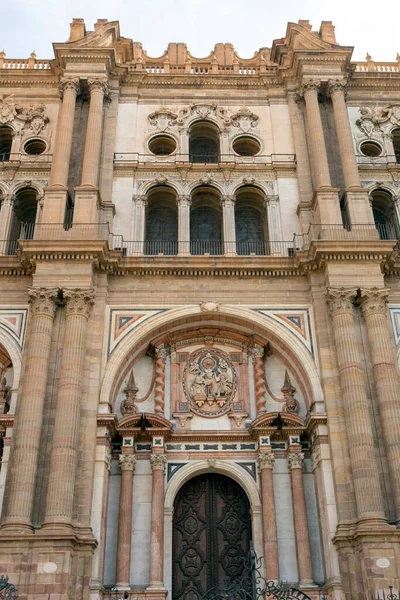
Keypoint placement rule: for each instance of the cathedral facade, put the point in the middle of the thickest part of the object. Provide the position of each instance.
(199, 319)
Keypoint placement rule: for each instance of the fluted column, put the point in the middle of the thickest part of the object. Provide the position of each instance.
(266, 465)
(6, 214)
(139, 223)
(94, 132)
(29, 416)
(316, 139)
(184, 225)
(350, 168)
(229, 228)
(387, 381)
(158, 463)
(259, 378)
(159, 392)
(64, 455)
(127, 464)
(303, 549)
(69, 88)
(355, 403)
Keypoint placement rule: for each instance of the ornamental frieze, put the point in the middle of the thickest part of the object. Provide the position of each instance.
(378, 119)
(32, 117)
(209, 382)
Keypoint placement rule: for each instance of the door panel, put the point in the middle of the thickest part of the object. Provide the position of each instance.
(211, 535)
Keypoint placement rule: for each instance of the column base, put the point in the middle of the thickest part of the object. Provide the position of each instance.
(326, 206)
(87, 204)
(17, 527)
(359, 207)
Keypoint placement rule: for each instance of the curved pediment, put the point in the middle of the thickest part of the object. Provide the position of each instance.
(277, 420)
(144, 422)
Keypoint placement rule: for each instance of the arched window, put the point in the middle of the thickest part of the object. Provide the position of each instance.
(384, 214)
(250, 222)
(5, 143)
(203, 143)
(161, 222)
(205, 223)
(24, 215)
(396, 144)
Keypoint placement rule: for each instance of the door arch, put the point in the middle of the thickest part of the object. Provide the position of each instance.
(211, 534)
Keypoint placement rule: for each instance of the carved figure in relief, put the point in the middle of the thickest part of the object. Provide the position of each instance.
(209, 382)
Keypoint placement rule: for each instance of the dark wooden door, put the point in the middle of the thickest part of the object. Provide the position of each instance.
(211, 535)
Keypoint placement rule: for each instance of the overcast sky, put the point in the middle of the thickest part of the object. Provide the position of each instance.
(367, 25)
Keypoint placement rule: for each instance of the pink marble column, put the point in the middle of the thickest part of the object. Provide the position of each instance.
(303, 549)
(158, 463)
(259, 378)
(159, 397)
(266, 465)
(127, 464)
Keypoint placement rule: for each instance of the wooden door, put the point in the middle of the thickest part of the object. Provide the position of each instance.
(211, 535)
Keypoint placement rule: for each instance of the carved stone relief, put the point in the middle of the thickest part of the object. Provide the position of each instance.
(378, 120)
(209, 382)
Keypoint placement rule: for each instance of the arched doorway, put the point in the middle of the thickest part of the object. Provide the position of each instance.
(211, 535)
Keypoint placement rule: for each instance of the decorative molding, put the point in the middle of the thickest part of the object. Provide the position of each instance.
(121, 322)
(296, 320)
(13, 320)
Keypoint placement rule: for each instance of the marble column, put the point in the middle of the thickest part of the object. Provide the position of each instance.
(69, 88)
(94, 132)
(387, 382)
(316, 138)
(356, 197)
(158, 464)
(159, 391)
(356, 409)
(229, 228)
(184, 225)
(64, 455)
(303, 549)
(6, 218)
(30, 406)
(127, 463)
(265, 463)
(257, 353)
(274, 226)
(139, 224)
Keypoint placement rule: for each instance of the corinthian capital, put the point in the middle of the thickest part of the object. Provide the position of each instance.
(310, 85)
(337, 85)
(228, 200)
(374, 301)
(266, 461)
(139, 200)
(184, 201)
(42, 301)
(158, 462)
(340, 300)
(127, 462)
(68, 83)
(79, 302)
(257, 351)
(295, 460)
(161, 351)
(98, 83)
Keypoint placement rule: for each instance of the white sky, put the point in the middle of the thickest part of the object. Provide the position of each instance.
(367, 25)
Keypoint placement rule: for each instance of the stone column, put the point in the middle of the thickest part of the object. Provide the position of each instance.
(69, 88)
(139, 224)
(303, 550)
(6, 217)
(159, 395)
(303, 165)
(158, 463)
(274, 225)
(184, 225)
(64, 455)
(94, 132)
(359, 431)
(127, 464)
(356, 197)
(259, 379)
(266, 465)
(29, 415)
(387, 381)
(316, 139)
(228, 220)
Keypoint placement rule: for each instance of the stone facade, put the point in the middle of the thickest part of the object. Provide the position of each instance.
(199, 273)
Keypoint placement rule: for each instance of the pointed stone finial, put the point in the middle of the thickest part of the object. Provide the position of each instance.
(368, 57)
(288, 390)
(128, 405)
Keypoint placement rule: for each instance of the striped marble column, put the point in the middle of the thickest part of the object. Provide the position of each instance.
(383, 353)
(64, 455)
(359, 430)
(259, 378)
(29, 414)
(158, 463)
